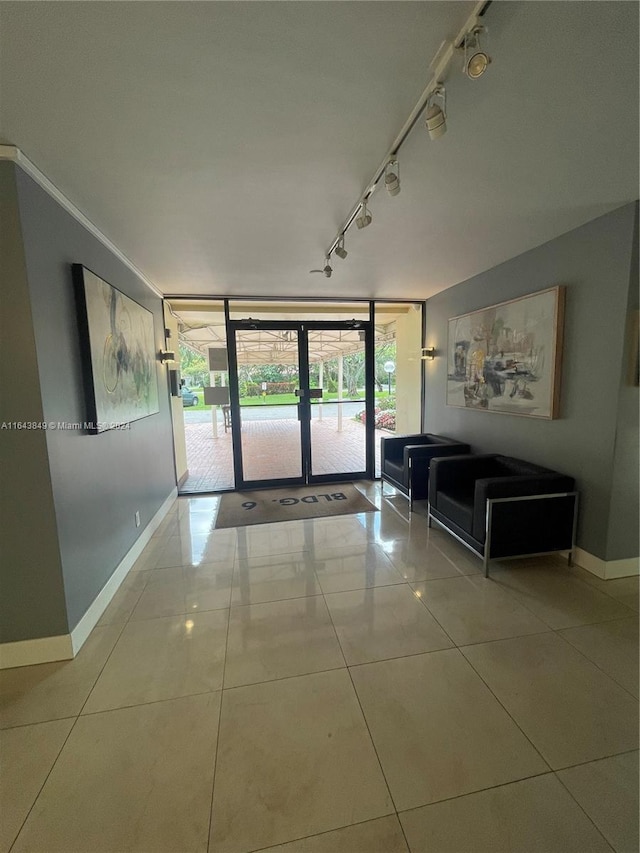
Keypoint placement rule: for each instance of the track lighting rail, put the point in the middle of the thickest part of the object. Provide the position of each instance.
(439, 68)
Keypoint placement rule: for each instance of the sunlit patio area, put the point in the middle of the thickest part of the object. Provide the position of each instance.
(271, 448)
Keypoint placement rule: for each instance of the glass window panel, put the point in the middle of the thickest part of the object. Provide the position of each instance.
(338, 444)
(268, 376)
(271, 444)
(337, 365)
(204, 429)
(398, 350)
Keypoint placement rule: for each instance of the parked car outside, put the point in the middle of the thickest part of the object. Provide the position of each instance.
(189, 397)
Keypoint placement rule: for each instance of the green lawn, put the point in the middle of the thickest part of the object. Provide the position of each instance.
(272, 399)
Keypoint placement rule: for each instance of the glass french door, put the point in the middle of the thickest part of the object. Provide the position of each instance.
(301, 401)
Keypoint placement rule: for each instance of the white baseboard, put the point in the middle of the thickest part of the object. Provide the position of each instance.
(91, 618)
(67, 646)
(607, 569)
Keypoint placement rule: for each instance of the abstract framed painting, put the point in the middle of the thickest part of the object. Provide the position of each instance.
(118, 350)
(507, 358)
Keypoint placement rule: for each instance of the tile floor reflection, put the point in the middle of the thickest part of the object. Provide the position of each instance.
(347, 685)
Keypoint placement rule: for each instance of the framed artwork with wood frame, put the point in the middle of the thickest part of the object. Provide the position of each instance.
(506, 358)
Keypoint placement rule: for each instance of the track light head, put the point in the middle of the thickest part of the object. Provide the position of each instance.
(476, 60)
(436, 116)
(436, 122)
(477, 64)
(340, 250)
(392, 176)
(365, 217)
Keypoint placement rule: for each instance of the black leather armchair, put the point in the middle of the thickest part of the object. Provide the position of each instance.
(405, 460)
(503, 507)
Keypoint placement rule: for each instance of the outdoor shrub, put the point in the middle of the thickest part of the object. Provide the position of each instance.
(387, 403)
(383, 419)
(255, 389)
(386, 420)
(281, 387)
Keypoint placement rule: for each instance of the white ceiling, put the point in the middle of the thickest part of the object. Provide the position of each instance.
(220, 145)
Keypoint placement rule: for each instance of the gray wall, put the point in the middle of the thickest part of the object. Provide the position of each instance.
(32, 600)
(99, 481)
(625, 508)
(594, 262)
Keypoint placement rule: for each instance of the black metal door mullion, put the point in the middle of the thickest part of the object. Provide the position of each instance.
(305, 402)
(370, 369)
(234, 400)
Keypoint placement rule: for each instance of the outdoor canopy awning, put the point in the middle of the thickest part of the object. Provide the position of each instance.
(202, 325)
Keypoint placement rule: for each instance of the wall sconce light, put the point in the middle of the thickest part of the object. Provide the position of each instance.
(428, 353)
(166, 356)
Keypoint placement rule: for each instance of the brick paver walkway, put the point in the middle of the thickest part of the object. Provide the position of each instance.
(271, 448)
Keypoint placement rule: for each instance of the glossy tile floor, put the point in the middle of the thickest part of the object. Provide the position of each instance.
(342, 685)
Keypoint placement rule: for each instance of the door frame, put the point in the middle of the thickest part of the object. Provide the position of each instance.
(304, 406)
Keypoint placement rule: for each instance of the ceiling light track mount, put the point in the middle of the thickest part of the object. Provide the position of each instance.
(439, 68)
(327, 270)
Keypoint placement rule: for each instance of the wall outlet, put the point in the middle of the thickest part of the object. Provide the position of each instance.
(137, 519)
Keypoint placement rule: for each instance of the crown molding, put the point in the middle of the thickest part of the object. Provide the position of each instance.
(15, 155)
